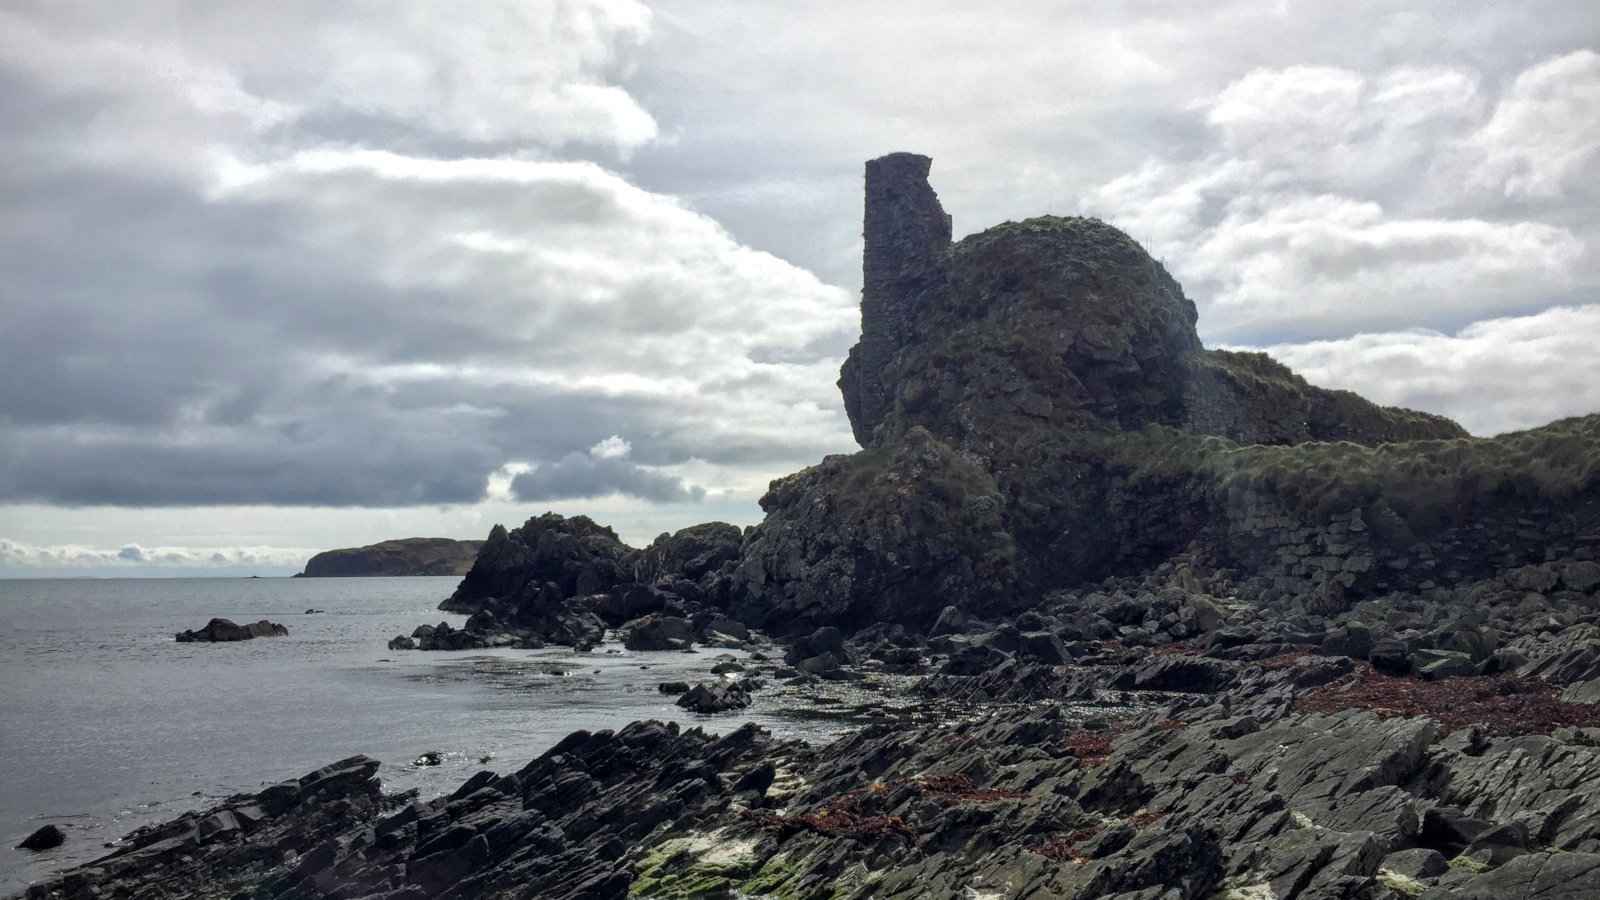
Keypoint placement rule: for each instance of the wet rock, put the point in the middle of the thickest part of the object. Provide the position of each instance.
(401, 642)
(722, 631)
(430, 758)
(673, 687)
(46, 838)
(658, 632)
(715, 698)
(223, 630)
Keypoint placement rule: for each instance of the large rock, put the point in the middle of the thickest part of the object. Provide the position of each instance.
(47, 837)
(548, 559)
(715, 698)
(891, 534)
(656, 632)
(221, 630)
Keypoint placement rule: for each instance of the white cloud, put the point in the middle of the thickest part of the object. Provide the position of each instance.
(1493, 376)
(613, 447)
(20, 555)
(1543, 140)
(1336, 201)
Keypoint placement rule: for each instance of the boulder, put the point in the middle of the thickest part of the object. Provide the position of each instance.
(1188, 674)
(1353, 640)
(1434, 664)
(46, 838)
(658, 632)
(951, 620)
(1582, 576)
(1391, 657)
(715, 698)
(1044, 647)
(225, 630)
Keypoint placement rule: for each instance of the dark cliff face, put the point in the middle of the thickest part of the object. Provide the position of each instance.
(408, 556)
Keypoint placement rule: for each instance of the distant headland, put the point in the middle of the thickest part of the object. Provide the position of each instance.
(406, 556)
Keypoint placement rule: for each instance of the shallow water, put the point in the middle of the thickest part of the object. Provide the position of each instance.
(107, 723)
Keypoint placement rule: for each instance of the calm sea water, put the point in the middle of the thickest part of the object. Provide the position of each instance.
(107, 723)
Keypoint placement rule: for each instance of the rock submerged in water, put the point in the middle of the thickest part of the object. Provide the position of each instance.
(225, 630)
(715, 698)
(47, 838)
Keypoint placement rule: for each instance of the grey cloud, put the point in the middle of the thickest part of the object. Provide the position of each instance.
(581, 475)
(308, 325)
(244, 266)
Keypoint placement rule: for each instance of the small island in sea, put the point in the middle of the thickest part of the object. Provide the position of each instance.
(405, 556)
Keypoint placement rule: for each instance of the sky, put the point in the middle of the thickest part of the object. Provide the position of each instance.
(280, 277)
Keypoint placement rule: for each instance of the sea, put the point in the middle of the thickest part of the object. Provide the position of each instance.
(107, 723)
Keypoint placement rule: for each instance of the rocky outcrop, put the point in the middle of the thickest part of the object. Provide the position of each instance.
(1058, 362)
(223, 630)
(888, 535)
(548, 559)
(1056, 322)
(714, 698)
(406, 556)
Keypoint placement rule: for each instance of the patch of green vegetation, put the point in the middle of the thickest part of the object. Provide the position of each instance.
(1430, 484)
(772, 880)
(697, 867)
(1328, 414)
(1468, 864)
(1401, 884)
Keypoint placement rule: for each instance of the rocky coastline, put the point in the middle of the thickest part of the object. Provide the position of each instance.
(1195, 629)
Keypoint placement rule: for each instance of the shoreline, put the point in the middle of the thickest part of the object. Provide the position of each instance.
(1190, 767)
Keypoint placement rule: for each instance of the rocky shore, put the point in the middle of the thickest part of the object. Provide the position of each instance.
(1193, 629)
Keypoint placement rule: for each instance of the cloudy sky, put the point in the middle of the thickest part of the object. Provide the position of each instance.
(294, 275)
